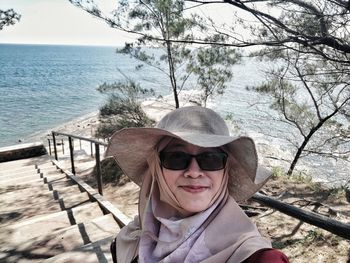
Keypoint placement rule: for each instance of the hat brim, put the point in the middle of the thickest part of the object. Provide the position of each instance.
(131, 147)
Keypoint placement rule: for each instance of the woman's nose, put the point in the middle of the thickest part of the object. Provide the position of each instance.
(193, 170)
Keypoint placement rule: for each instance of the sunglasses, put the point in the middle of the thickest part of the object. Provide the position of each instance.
(208, 161)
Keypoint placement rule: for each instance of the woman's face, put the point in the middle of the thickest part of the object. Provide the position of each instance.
(193, 187)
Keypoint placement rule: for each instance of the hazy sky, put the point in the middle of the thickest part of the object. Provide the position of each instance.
(58, 22)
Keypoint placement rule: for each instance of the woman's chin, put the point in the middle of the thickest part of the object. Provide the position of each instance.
(195, 208)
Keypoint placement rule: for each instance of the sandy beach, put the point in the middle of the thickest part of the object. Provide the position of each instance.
(86, 125)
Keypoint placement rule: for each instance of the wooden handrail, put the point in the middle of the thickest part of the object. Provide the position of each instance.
(336, 227)
(81, 138)
(71, 149)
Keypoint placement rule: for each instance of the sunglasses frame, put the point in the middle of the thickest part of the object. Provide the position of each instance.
(188, 159)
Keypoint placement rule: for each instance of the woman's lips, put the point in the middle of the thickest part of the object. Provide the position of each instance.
(194, 188)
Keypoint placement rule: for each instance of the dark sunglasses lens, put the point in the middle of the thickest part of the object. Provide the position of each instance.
(212, 161)
(175, 160)
(209, 161)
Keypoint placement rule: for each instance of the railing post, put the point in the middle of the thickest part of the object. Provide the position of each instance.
(62, 147)
(92, 153)
(48, 139)
(71, 153)
(98, 168)
(54, 145)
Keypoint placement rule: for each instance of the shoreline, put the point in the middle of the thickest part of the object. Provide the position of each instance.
(270, 153)
(84, 125)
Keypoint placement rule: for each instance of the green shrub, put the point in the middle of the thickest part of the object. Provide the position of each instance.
(111, 172)
(123, 108)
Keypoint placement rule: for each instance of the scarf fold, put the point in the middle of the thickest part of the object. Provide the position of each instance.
(222, 233)
(171, 239)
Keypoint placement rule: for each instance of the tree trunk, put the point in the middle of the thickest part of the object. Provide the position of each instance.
(297, 155)
(172, 74)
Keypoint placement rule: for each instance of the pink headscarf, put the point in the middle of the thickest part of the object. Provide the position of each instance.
(167, 233)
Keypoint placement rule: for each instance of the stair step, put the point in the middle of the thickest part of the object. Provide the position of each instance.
(91, 253)
(57, 177)
(17, 180)
(17, 197)
(4, 175)
(68, 239)
(14, 167)
(24, 203)
(34, 223)
(46, 165)
(29, 181)
(4, 170)
(47, 223)
(24, 163)
(31, 202)
(56, 184)
(53, 172)
(64, 192)
(32, 184)
(71, 201)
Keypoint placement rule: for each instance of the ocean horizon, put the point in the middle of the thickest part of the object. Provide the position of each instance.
(43, 86)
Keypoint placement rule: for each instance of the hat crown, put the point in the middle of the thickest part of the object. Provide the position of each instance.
(199, 126)
(194, 119)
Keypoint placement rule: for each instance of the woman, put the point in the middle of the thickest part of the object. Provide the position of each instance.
(191, 173)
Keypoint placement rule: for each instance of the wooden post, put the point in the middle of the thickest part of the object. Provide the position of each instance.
(48, 139)
(98, 168)
(54, 145)
(71, 153)
(62, 147)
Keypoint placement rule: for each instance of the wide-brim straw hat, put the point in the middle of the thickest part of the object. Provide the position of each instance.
(199, 126)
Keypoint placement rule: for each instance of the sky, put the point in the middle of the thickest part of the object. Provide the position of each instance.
(59, 22)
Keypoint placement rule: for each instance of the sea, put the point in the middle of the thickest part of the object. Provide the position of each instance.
(43, 86)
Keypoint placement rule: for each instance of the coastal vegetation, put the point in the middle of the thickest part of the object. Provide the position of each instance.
(8, 17)
(123, 107)
(162, 28)
(307, 43)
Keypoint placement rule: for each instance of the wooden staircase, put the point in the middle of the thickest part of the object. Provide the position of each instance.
(50, 215)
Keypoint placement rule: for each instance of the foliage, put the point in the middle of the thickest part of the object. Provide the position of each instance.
(313, 236)
(232, 123)
(311, 98)
(308, 45)
(123, 108)
(212, 67)
(306, 41)
(164, 26)
(8, 17)
(111, 172)
(277, 172)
